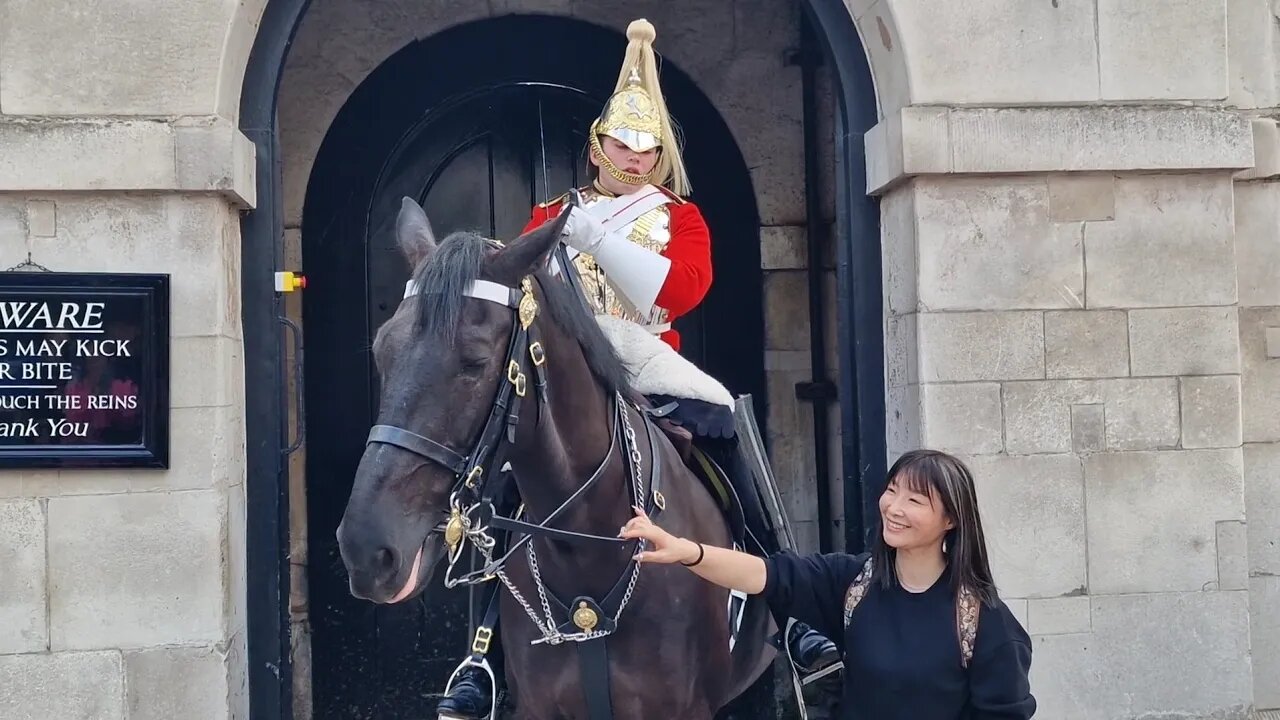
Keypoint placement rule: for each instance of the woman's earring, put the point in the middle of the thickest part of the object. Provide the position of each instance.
(944, 546)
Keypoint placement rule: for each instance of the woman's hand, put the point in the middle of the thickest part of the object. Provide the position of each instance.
(667, 548)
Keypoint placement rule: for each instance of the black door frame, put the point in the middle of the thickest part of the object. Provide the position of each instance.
(262, 254)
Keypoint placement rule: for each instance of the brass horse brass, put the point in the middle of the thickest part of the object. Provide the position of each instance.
(584, 617)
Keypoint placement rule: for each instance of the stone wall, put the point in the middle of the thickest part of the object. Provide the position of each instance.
(1078, 300)
(1255, 89)
(124, 589)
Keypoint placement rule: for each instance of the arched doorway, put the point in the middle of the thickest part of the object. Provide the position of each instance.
(859, 314)
(477, 147)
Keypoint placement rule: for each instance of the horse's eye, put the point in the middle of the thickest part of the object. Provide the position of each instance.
(474, 361)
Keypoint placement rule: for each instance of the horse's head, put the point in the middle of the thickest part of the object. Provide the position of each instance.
(441, 360)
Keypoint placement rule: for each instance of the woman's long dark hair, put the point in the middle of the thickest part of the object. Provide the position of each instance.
(946, 477)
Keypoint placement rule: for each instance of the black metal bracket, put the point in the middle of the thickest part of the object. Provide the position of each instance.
(822, 391)
(300, 417)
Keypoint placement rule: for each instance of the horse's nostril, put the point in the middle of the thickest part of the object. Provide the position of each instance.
(385, 561)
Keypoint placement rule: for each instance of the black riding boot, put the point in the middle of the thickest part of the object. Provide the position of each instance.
(810, 650)
(470, 698)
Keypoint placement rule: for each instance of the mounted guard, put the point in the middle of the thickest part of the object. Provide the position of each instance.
(638, 251)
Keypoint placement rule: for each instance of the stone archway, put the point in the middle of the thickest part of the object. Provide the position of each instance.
(262, 111)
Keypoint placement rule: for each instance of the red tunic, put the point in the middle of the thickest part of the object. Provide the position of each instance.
(689, 251)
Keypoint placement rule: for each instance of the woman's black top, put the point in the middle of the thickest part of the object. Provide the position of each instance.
(901, 649)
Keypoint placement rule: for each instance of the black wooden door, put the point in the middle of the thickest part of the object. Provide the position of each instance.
(477, 139)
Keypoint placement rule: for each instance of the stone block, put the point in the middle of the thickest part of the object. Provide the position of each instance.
(1018, 607)
(217, 156)
(1184, 341)
(132, 571)
(1138, 413)
(149, 59)
(884, 46)
(902, 350)
(1262, 507)
(1059, 616)
(1251, 57)
(22, 565)
(1033, 515)
(13, 234)
(988, 245)
(237, 576)
(548, 7)
(85, 155)
(1259, 376)
(1088, 428)
(1211, 412)
(1167, 655)
(1051, 56)
(1266, 149)
(185, 236)
(211, 443)
(1264, 630)
(1170, 244)
(783, 247)
(1086, 344)
(1095, 139)
(42, 218)
(958, 347)
(909, 142)
(1273, 343)
(786, 310)
(903, 419)
(1233, 561)
(62, 686)
(174, 682)
(1076, 198)
(767, 122)
(1152, 518)
(217, 356)
(898, 226)
(962, 418)
(1176, 50)
(1257, 245)
(143, 155)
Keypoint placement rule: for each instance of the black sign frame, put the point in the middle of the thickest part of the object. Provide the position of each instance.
(152, 290)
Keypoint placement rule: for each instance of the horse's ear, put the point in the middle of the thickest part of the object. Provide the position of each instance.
(413, 233)
(527, 253)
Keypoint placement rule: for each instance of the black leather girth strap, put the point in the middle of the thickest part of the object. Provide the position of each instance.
(593, 660)
(484, 631)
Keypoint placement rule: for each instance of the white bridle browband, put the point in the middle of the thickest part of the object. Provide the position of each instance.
(480, 289)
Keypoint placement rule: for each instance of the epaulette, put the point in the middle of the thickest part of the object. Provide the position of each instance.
(554, 201)
(678, 200)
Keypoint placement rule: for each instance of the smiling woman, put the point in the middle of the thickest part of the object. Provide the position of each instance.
(921, 628)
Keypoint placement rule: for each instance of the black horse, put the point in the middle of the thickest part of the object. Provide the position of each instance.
(494, 364)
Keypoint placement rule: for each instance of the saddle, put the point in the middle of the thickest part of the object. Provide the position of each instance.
(707, 469)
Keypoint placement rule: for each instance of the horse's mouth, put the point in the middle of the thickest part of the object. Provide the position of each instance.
(423, 564)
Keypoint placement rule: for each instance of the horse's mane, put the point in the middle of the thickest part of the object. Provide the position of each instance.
(457, 262)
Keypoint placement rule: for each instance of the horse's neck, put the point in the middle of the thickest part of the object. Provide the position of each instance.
(562, 444)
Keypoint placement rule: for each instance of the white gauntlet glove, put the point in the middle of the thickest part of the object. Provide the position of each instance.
(636, 272)
(582, 231)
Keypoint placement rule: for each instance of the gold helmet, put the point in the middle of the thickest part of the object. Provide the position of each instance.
(636, 115)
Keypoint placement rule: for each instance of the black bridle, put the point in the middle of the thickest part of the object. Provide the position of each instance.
(475, 488)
